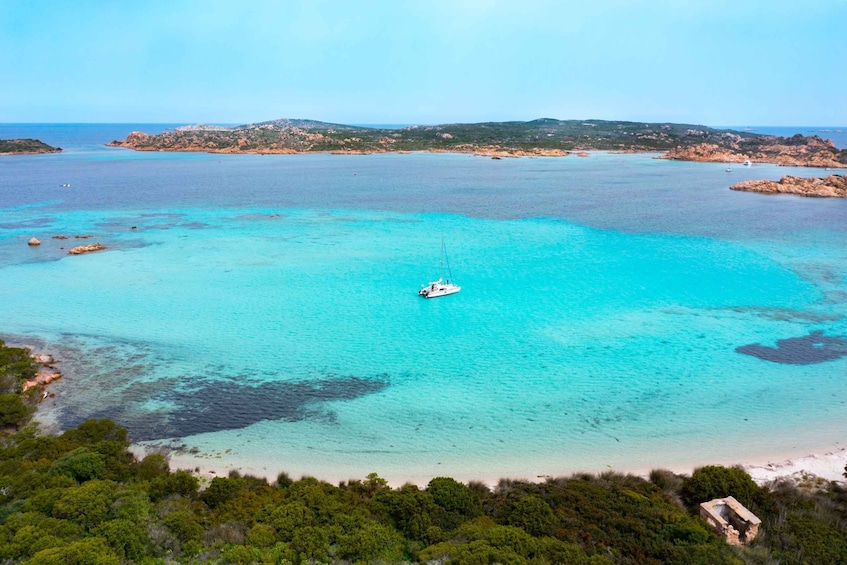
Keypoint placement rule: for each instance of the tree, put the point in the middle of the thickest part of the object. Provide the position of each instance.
(219, 491)
(715, 481)
(13, 411)
(95, 431)
(182, 483)
(152, 466)
(88, 505)
(184, 526)
(532, 515)
(261, 535)
(89, 551)
(81, 464)
(128, 539)
(16, 366)
(453, 496)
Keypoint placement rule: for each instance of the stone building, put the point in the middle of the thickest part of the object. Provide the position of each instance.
(731, 519)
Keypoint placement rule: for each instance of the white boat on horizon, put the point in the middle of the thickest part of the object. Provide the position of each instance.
(747, 163)
(441, 287)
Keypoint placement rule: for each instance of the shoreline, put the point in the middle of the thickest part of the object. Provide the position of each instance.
(825, 462)
(493, 154)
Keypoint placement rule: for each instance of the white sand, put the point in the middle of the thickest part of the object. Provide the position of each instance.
(828, 464)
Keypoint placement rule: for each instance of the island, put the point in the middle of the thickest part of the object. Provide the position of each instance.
(26, 147)
(833, 186)
(542, 137)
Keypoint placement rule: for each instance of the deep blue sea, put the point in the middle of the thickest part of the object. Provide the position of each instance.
(617, 311)
(837, 134)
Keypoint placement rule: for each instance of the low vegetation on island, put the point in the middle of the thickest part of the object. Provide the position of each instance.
(82, 498)
(25, 147)
(543, 137)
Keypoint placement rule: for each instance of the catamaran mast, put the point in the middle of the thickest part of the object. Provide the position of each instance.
(441, 273)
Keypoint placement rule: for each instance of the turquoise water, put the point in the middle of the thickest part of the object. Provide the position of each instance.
(264, 310)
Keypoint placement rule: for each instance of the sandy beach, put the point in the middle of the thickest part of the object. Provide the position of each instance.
(827, 464)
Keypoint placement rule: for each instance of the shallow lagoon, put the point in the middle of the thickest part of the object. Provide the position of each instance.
(264, 310)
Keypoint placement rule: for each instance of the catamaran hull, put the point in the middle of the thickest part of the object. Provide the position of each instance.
(430, 292)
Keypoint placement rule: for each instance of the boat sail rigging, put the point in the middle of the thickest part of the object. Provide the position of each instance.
(441, 287)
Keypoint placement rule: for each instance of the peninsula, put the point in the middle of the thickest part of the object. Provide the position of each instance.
(833, 186)
(25, 147)
(542, 137)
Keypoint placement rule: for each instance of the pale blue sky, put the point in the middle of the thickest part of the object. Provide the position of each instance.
(740, 62)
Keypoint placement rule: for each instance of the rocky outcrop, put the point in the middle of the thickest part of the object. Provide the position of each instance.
(797, 151)
(33, 242)
(833, 186)
(81, 249)
(43, 378)
(47, 372)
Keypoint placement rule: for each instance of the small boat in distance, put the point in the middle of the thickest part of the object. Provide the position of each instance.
(729, 169)
(747, 163)
(440, 287)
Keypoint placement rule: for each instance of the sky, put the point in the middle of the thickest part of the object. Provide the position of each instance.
(713, 62)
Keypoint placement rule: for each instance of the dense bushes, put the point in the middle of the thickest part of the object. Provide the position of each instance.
(16, 366)
(81, 498)
(82, 495)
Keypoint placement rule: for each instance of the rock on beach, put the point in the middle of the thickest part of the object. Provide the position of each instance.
(43, 378)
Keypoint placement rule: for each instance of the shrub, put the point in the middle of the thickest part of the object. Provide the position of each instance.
(81, 464)
(714, 481)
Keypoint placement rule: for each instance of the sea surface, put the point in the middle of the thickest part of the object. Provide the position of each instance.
(837, 134)
(617, 311)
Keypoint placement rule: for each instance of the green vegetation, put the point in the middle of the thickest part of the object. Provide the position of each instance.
(16, 367)
(536, 136)
(26, 146)
(82, 498)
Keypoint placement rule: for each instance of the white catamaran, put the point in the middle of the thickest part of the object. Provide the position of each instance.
(441, 287)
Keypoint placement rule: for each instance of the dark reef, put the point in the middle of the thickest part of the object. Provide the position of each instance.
(805, 350)
(214, 405)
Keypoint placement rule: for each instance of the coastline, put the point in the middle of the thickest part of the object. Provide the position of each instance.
(498, 153)
(800, 465)
(827, 463)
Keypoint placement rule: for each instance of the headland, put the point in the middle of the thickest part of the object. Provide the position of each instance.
(542, 137)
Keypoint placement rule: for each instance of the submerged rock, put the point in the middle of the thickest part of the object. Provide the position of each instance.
(43, 358)
(79, 250)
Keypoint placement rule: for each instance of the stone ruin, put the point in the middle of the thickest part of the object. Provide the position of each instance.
(731, 519)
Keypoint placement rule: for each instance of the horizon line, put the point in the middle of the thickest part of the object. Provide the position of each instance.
(403, 124)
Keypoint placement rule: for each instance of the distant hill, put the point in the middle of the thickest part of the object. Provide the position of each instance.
(25, 146)
(541, 137)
